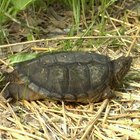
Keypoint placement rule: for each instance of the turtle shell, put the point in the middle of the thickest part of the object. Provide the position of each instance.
(69, 76)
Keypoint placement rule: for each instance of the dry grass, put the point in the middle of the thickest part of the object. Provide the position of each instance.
(116, 119)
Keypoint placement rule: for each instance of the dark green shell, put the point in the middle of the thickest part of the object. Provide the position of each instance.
(69, 76)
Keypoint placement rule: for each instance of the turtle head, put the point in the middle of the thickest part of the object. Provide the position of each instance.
(121, 67)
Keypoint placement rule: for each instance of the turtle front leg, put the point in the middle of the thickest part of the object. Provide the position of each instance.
(107, 94)
(101, 95)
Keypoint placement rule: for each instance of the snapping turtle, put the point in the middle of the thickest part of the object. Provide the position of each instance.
(69, 76)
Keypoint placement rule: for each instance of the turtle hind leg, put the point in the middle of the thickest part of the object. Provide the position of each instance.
(19, 92)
